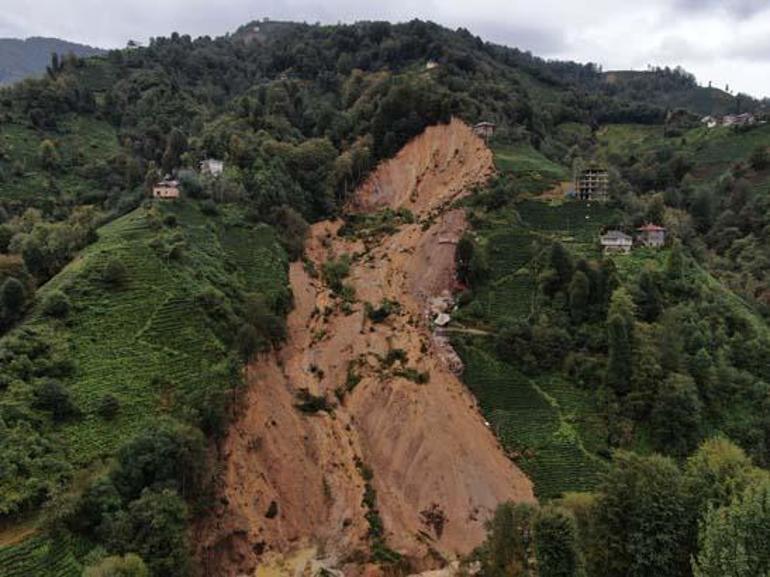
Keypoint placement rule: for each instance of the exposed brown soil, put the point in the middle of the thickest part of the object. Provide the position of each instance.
(558, 192)
(291, 479)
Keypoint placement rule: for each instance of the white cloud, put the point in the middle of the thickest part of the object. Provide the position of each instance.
(719, 40)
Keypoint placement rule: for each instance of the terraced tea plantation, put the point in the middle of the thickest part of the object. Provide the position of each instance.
(529, 166)
(552, 428)
(576, 224)
(712, 150)
(535, 427)
(512, 239)
(39, 557)
(149, 342)
(154, 339)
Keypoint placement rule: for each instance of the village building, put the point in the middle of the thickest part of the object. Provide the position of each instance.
(616, 241)
(431, 64)
(592, 184)
(166, 189)
(442, 320)
(745, 119)
(709, 121)
(212, 167)
(651, 235)
(484, 129)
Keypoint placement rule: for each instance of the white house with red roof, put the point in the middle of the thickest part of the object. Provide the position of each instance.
(651, 235)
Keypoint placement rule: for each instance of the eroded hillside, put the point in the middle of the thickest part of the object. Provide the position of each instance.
(357, 437)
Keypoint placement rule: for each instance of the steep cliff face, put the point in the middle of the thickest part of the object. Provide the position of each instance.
(292, 479)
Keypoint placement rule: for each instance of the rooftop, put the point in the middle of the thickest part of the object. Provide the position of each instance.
(615, 235)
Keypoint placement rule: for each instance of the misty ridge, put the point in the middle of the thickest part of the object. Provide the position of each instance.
(21, 59)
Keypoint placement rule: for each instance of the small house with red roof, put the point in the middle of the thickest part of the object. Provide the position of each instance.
(651, 235)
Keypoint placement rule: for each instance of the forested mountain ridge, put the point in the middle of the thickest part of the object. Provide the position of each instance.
(20, 59)
(128, 322)
(678, 89)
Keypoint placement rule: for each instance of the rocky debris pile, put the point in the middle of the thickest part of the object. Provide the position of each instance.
(446, 354)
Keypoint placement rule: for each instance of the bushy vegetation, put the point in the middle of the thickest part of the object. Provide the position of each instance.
(634, 375)
(648, 516)
(118, 340)
(626, 359)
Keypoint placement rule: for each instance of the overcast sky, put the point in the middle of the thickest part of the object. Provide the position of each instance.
(723, 41)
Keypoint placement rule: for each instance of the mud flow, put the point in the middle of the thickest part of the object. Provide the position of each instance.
(358, 434)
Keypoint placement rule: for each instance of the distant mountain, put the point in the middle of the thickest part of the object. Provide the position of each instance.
(21, 59)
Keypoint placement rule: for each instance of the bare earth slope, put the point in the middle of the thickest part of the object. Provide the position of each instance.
(426, 444)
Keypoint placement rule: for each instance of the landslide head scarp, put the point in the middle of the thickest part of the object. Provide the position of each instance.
(438, 166)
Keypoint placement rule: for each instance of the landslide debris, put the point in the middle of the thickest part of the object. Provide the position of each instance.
(389, 452)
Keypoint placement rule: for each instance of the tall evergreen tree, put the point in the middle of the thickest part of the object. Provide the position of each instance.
(642, 517)
(579, 296)
(676, 417)
(648, 298)
(13, 298)
(556, 543)
(620, 327)
(734, 539)
(508, 548)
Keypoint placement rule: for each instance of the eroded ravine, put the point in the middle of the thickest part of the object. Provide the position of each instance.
(293, 480)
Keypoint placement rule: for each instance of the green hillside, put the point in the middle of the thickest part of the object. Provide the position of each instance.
(74, 180)
(156, 340)
(544, 374)
(544, 419)
(125, 323)
(674, 89)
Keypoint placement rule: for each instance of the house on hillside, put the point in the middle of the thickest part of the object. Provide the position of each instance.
(651, 235)
(484, 129)
(615, 241)
(166, 189)
(745, 119)
(709, 121)
(592, 183)
(212, 167)
(431, 64)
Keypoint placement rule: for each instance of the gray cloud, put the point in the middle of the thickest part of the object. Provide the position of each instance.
(740, 9)
(542, 41)
(674, 48)
(755, 50)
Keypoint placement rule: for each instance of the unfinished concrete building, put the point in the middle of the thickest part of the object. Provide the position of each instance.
(592, 183)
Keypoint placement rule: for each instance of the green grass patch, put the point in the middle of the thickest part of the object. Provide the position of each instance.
(535, 172)
(81, 142)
